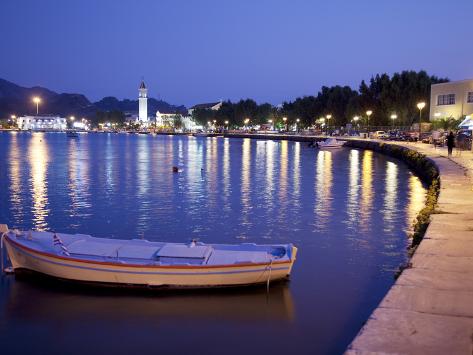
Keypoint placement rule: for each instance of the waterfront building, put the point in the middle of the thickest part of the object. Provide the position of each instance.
(165, 119)
(215, 106)
(41, 123)
(189, 124)
(143, 104)
(453, 99)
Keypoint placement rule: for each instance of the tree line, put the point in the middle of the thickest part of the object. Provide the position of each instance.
(384, 95)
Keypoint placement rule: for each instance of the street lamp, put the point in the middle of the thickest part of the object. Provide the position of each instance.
(226, 124)
(369, 113)
(247, 120)
(37, 100)
(326, 127)
(420, 106)
(393, 117)
(285, 124)
(355, 119)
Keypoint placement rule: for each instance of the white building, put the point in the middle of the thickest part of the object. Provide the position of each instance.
(452, 99)
(41, 123)
(215, 106)
(189, 124)
(165, 119)
(143, 104)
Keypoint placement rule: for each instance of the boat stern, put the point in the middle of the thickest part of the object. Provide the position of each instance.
(292, 256)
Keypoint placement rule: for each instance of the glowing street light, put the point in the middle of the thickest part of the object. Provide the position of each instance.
(37, 100)
(368, 114)
(420, 106)
(72, 118)
(393, 117)
(285, 124)
(328, 117)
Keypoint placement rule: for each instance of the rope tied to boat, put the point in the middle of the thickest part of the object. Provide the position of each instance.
(270, 266)
(1, 251)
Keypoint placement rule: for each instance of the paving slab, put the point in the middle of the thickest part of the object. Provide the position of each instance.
(447, 246)
(426, 300)
(392, 331)
(438, 279)
(442, 263)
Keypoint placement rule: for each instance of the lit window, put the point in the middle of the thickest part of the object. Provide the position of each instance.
(448, 99)
(469, 99)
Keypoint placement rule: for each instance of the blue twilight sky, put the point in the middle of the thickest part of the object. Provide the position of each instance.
(205, 50)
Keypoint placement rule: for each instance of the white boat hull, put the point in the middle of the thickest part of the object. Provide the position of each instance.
(174, 276)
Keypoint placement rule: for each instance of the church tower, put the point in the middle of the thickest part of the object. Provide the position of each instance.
(143, 103)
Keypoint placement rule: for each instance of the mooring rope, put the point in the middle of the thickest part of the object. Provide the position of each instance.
(269, 274)
(1, 251)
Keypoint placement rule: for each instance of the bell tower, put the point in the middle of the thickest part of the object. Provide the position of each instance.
(143, 103)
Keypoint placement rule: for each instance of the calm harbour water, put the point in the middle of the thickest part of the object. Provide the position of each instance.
(348, 212)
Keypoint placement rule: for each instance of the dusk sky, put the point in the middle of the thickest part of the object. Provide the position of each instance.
(201, 51)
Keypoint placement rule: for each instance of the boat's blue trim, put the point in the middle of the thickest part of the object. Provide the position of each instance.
(146, 272)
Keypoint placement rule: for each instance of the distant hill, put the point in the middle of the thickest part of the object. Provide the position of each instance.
(15, 99)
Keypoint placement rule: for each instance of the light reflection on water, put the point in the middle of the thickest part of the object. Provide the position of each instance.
(346, 210)
(38, 155)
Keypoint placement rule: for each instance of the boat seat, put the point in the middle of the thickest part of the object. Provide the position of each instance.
(183, 254)
(184, 251)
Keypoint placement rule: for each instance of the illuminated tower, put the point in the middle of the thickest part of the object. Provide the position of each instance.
(143, 103)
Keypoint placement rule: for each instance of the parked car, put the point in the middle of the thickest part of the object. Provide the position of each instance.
(463, 139)
(426, 137)
(380, 135)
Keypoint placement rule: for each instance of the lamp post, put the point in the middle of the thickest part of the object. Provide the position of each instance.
(271, 124)
(393, 117)
(420, 106)
(368, 114)
(247, 120)
(226, 124)
(297, 124)
(37, 100)
(355, 119)
(285, 124)
(326, 127)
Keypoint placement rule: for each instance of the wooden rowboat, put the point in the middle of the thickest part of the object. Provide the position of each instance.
(84, 258)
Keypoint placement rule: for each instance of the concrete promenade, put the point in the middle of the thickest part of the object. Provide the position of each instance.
(429, 310)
